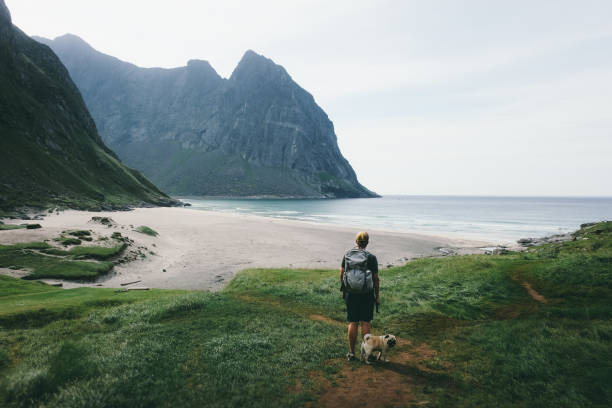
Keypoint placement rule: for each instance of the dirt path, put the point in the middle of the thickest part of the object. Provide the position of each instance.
(365, 386)
(533, 293)
(325, 319)
(385, 384)
(390, 384)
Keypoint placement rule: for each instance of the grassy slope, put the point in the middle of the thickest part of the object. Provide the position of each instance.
(51, 152)
(250, 345)
(158, 349)
(34, 256)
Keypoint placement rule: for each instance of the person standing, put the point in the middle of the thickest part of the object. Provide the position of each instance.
(360, 289)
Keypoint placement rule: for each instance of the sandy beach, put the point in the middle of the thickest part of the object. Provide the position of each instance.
(203, 250)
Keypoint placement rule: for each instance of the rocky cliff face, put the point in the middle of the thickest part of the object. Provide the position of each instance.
(193, 132)
(51, 151)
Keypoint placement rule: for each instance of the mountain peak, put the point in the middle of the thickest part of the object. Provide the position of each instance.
(253, 66)
(252, 54)
(250, 57)
(201, 65)
(198, 63)
(72, 40)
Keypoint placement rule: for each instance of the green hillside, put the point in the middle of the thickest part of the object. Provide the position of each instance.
(51, 151)
(471, 334)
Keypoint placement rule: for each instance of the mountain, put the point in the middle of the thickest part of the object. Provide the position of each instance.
(193, 132)
(50, 148)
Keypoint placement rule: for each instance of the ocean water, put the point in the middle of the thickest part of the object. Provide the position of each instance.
(499, 219)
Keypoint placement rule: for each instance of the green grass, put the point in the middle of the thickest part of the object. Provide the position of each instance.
(6, 227)
(103, 220)
(426, 286)
(80, 234)
(146, 230)
(97, 347)
(99, 253)
(252, 343)
(24, 245)
(88, 252)
(67, 241)
(33, 304)
(55, 251)
(25, 256)
(12, 287)
(507, 349)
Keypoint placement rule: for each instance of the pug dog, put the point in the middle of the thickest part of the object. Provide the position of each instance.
(371, 344)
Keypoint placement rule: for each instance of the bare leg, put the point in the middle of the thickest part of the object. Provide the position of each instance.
(365, 328)
(352, 336)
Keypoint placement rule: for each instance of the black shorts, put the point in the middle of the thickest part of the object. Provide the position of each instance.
(359, 307)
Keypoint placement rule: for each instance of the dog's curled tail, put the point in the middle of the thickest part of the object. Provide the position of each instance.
(367, 337)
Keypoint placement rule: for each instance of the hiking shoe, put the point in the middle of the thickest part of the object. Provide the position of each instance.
(350, 356)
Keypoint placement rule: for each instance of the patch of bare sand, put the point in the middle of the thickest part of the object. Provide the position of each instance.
(203, 250)
(14, 273)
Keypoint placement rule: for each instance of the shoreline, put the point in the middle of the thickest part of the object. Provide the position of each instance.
(442, 235)
(499, 220)
(203, 249)
(447, 235)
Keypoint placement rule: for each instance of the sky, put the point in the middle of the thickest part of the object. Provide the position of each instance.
(427, 97)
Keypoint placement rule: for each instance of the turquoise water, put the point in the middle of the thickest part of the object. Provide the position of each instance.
(491, 218)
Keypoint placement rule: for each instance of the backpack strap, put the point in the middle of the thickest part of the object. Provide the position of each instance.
(365, 278)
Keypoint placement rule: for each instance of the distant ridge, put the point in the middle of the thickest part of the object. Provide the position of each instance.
(193, 132)
(51, 151)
